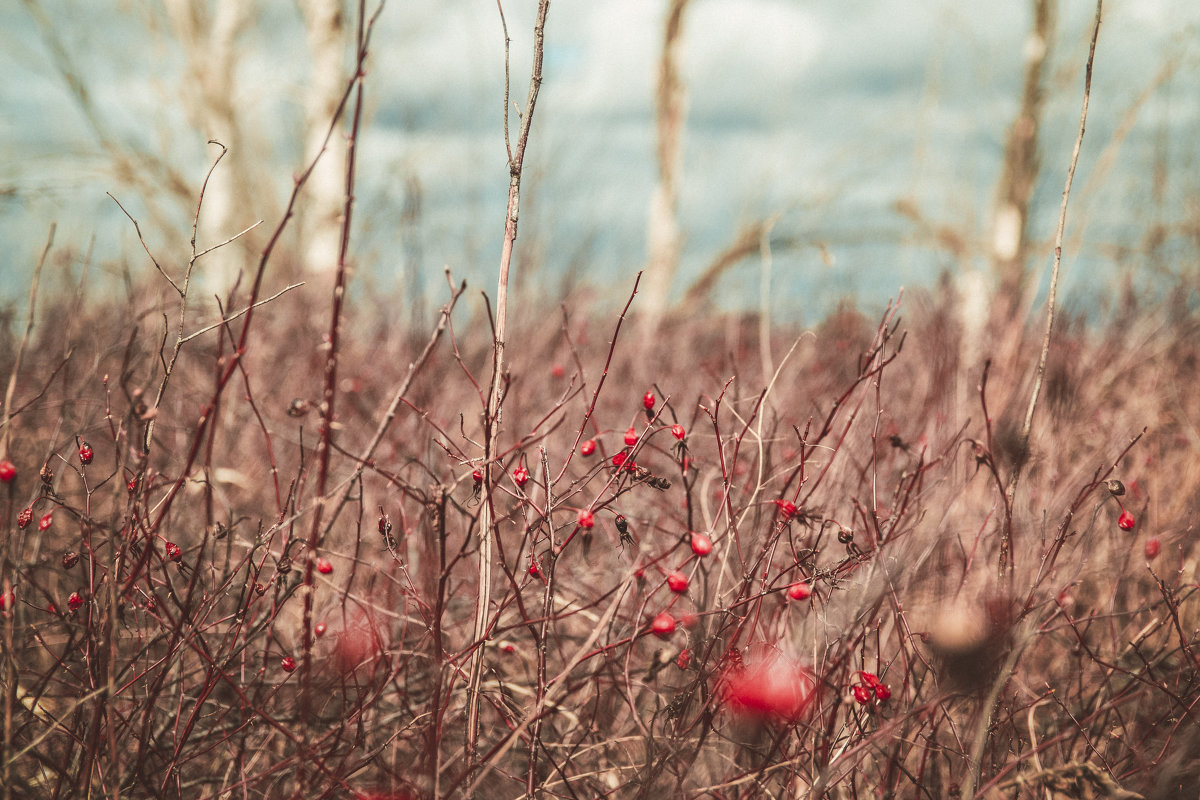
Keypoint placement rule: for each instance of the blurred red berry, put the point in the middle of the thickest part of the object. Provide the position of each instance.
(663, 625)
(588, 447)
(801, 590)
(74, 602)
(585, 519)
(677, 581)
(688, 620)
(684, 659)
(508, 647)
(70, 559)
(319, 629)
(767, 686)
(786, 507)
(173, 551)
(882, 692)
(8, 471)
(701, 544)
(648, 400)
(558, 371)
(323, 566)
(7, 601)
(24, 517)
(45, 522)
(678, 432)
(631, 437)
(85, 454)
(1126, 521)
(520, 476)
(1152, 549)
(288, 663)
(862, 694)
(870, 679)
(132, 485)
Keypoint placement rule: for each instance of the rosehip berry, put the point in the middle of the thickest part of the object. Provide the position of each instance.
(85, 454)
(701, 544)
(323, 566)
(801, 590)
(70, 559)
(520, 476)
(882, 691)
(618, 459)
(508, 647)
(1152, 549)
(477, 476)
(1126, 521)
(663, 625)
(288, 663)
(588, 447)
(685, 659)
(7, 601)
(678, 432)
(74, 602)
(132, 485)
(631, 437)
(173, 551)
(319, 629)
(586, 520)
(534, 569)
(24, 517)
(45, 522)
(862, 694)
(558, 371)
(677, 581)
(8, 471)
(870, 679)
(648, 400)
(786, 507)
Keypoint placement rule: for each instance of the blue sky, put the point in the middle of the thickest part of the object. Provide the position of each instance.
(826, 113)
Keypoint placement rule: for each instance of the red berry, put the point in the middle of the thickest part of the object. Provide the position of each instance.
(70, 559)
(767, 686)
(677, 581)
(319, 629)
(534, 569)
(786, 507)
(685, 658)
(7, 601)
(132, 485)
(663, 625)
(520, 476)
(173, 551)
(477, 476)
(24, 517)
(85, 454)
(618, 459)
(323, 566)
(1126, 521)
(288, 663)
(1152, 549)
(508, 647)
(882, 691)
(688, 620)
(862, 694)
(45, 522)
(870, 679)
(586, 520)
(558, 371)
(588, 447)
(648, 400)
(701, 544)
(801, 590)
(74, 602)
(678, 432)
(631, 437)
(8, 471)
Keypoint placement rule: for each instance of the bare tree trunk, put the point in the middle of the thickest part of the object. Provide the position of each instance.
(662, 230)
(208, 40)
(1021, 168)
(320, 222)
